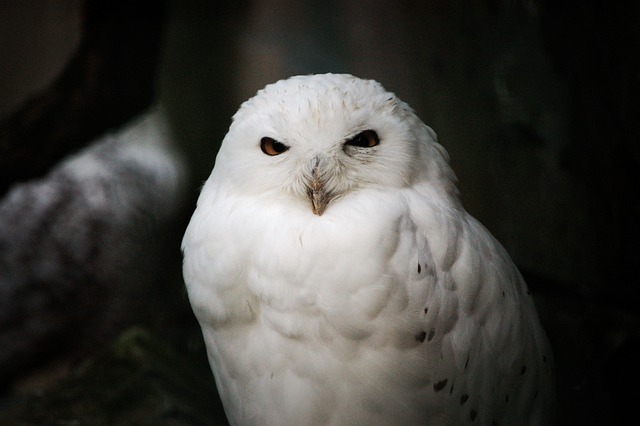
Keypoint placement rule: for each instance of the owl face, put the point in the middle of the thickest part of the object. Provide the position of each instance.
(321, 137)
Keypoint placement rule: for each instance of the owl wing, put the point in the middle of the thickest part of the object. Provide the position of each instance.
(482, 320)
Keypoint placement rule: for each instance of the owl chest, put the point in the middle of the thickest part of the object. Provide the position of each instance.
(322, 279)
(336, 322)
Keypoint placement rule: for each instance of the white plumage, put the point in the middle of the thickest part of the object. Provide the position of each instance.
(338, 279)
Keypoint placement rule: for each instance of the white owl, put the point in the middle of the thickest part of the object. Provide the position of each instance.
(338, 280)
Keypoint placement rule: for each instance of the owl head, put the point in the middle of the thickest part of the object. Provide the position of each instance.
(317, 138)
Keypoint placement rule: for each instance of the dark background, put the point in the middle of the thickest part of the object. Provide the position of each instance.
(535, 101)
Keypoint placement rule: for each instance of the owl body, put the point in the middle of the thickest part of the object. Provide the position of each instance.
(384, 304)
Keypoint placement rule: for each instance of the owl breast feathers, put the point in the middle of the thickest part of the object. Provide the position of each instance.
(338, 280)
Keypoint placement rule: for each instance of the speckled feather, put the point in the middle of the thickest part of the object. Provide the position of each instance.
(394, 306)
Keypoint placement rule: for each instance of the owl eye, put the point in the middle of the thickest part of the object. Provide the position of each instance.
(366, 139)
(272, 147)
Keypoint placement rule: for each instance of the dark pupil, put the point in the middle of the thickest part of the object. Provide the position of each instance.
(279, 147)
(360, 140)
(366, 139)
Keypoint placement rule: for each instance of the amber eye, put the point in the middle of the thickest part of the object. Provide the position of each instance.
(272, 147)
(366, 139)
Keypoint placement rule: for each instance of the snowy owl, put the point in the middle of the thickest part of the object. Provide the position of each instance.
(338, 280)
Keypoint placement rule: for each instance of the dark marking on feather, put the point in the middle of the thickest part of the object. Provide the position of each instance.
(438, 386)
(463, 398)
(432, 333)
(523, 370)
(419, 268)
(421, 336)
(473, 414)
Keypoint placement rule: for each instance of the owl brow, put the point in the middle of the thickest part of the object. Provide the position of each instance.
(357, 130)
(369, 134)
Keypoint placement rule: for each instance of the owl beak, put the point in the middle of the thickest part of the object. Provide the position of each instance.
(317, 193)
(318, 196)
